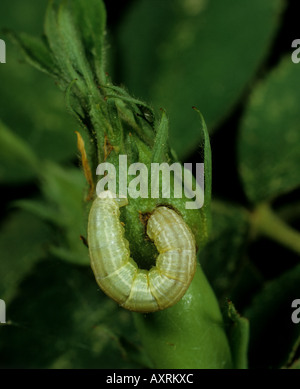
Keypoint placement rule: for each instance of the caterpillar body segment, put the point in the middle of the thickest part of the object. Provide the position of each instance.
(117, 273)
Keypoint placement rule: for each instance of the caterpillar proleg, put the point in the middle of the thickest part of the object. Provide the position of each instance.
(119, 276)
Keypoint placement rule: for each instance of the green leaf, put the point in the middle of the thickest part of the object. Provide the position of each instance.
(205, 210)
(272, 332)
(75, 32)
(36, 52)
(293, 362)
(268, 146)
(16, 156)
(63, 206)
(34, 113)
(223, 255)
(23, 241)
(181, 53)
(161, 140)
(65, 44)
(238, 334)
(63, 189)
(20, 17)
(72, 324)
(91, 21)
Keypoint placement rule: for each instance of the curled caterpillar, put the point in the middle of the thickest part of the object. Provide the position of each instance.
(117, 273)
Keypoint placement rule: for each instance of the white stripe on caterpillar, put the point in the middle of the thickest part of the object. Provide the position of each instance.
(117, 273)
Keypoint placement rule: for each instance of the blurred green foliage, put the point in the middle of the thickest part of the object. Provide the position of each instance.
(173, 54)
(188, 52)
(30, 103)
(268, 145)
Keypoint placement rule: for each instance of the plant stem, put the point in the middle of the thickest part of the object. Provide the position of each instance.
(267, 223)
(289, 211)
(189, 335)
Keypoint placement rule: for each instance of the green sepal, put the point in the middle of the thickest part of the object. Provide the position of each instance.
(206, 210)
(161, 140)
(238, 335)
(36, 52)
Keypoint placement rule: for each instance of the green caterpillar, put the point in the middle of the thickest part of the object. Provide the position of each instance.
(117, 273)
